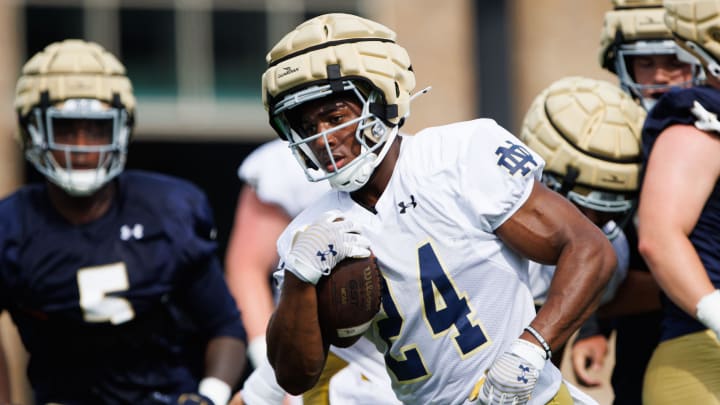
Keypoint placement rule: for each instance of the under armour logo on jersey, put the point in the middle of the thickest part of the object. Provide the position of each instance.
(515, 157)
(331, 251)
(126, 232)
(404, 206)
(523, 370)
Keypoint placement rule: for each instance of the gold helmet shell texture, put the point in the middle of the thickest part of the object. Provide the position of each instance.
(617, 4)
(642, 20)
(334, 47)
(696, 25)
(73, 69)
(589, 126)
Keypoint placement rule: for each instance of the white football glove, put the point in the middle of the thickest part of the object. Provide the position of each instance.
(512, 377)
(319, 247)
(708, 311)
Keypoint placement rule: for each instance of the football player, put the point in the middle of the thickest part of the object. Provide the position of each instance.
(679, 225)
(452, 215)
(275, 191)
(636, 46)
(110, 275)
(588, 133)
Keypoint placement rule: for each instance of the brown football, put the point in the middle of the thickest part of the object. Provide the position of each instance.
(348, 299)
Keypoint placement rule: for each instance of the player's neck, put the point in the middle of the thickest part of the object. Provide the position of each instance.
(82, 210)
(370, 193)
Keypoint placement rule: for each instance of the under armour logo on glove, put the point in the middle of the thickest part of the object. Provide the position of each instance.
(512, 377)
(522, 377)
(319, 247)
(330, 251)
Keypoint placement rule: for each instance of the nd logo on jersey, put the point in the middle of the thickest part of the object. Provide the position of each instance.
(515, 157)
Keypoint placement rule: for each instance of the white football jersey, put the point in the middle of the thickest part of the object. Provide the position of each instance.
(541, 274)
(456, 296)
(276, 177)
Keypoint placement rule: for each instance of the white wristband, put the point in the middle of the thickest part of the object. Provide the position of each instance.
(216, 389)
(708, 311)
(257, 351)
(529, 352)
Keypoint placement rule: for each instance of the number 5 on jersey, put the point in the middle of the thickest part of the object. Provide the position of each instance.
(94, 284)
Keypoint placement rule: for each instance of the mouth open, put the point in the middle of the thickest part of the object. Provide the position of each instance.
(340, 161)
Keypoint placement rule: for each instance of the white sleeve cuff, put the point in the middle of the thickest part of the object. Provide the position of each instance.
(529, 352)
(708, 311)
(216, 389)
(257, 351)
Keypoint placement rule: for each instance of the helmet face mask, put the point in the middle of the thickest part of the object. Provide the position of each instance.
(625, 54)
(372, 134)
(635, 28)
(51, 149)
(332, 54)
(620, 205)
(75, 110)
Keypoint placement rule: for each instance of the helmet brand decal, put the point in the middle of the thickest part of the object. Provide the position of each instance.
(286, 71)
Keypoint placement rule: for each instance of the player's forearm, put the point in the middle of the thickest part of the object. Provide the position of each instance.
(225, 359)
(224, 366)
(582, 272)
(676, 266)
(5, 394)
(254, 299)
(295, 345)
(638, 294)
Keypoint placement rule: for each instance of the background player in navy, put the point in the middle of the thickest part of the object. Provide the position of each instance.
(679, 218)
(637, 47)
(111, 277)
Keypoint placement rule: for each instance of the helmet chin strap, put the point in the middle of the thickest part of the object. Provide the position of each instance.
(80, 183)
(358, 175)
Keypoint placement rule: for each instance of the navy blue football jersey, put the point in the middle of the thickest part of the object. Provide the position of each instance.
(675, 108)
(116, 311)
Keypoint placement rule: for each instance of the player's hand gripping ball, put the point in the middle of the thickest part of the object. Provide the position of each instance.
(348, 299)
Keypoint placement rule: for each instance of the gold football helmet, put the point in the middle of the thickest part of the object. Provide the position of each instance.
(74, 80)
(618, 4)
(588, 132)
(696, 26)
(636, 28)
(336, 53)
